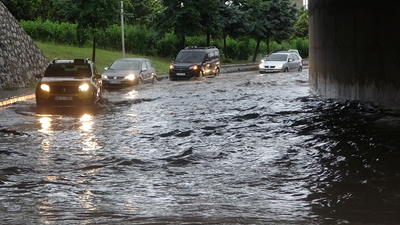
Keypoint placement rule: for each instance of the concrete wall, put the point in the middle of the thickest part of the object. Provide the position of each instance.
(20, 58)
(355, 50)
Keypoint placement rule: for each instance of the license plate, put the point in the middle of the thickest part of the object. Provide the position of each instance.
(180, 74)
(115, 82)
(63, 98)
(268, 70)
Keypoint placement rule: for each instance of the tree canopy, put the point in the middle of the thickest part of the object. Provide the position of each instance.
(261, 20)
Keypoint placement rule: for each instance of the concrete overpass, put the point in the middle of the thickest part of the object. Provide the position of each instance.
(355, 50)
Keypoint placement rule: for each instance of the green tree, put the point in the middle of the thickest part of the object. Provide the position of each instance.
(301, 26)
(273, 18)
(31, 9)
(181, 17)
(141, 12)
(89, 15)
(235, 22)
(210, 18)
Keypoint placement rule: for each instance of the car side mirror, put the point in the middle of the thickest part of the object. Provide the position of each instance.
(144, 69)
(262, 60)
(105, 68)
(173, 59)
(38, 76)
(290, 60)
(97, 76)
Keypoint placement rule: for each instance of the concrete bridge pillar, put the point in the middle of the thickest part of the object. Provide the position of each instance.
(355, 50)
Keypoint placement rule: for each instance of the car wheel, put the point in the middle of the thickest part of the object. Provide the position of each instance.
(300, 69)
(286, 70)
(154, 79)
(140, 81)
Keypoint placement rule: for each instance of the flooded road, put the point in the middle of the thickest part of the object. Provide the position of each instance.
(241, 148)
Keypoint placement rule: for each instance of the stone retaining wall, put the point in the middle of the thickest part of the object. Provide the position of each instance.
(20, 58)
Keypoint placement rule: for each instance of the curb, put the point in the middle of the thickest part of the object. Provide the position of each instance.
(12, 100)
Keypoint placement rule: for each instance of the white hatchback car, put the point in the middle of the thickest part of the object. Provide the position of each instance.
(281, 62)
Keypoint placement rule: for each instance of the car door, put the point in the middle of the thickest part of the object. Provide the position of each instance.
(151, 70)
(96, 78)
(144, 71)
(292, 62)
(207, 65)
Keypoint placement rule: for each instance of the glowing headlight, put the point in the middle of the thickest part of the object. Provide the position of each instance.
(261, 65)
(278, 66)
(193, 67)
(171, 67)
(130, 77)
(84, 87)
(45, 87)
(104, 76)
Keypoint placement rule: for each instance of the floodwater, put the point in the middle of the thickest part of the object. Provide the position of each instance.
(241, 148)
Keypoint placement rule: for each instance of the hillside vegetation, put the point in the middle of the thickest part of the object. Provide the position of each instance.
(103, 58)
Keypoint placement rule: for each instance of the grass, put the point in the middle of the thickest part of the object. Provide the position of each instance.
(103, 57)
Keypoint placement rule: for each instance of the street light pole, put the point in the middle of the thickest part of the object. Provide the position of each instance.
(122, 29)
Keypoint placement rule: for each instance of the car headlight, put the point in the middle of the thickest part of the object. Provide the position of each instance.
(130, 77)
(84, 87)
(278, 66)
(261, 65)
(171, 67)
(195, 67)
(104, 76)
(45, 87)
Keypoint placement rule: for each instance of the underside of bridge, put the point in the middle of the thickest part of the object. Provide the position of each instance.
(355, 50)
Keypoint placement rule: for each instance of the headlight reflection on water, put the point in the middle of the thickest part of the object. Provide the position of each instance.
(45, 124)
(89, 140)
(87, 122)
(132, 94)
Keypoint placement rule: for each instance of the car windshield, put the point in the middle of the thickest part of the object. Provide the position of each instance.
(67, 70)
(125, 65)
(277, 57)
(190, 57)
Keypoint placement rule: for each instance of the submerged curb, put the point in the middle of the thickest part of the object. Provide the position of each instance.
(12, 100)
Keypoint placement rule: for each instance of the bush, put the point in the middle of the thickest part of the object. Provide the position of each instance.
(166, 46)
(301, 44)
(111, 38)
(142, 41)
(47, 31)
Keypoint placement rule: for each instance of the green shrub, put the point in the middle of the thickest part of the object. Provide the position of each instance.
(301, 44)
(111, 38)
(199, 41)
(166, 46)
(47, 31)
(138, 39)
(142, 41)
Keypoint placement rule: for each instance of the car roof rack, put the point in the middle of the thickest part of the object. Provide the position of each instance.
(195, 47)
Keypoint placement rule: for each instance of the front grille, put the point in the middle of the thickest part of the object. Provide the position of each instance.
(269, 66)
(181, 70)
(64, 90)
(116, 78)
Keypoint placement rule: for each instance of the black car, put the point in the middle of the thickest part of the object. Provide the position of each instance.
(195, 62)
